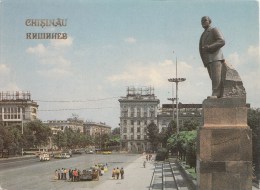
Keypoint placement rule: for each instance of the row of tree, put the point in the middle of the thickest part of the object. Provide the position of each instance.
(36, 134)
(184, 144)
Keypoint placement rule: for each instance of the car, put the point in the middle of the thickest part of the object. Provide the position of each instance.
(65, 155)
(106, 152)
(77, 151)
(89, 152)
(86, 175)
(44, 157)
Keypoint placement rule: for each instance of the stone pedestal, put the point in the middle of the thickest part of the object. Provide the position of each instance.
(224, 148)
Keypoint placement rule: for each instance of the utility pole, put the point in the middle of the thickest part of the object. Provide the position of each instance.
(177, 80)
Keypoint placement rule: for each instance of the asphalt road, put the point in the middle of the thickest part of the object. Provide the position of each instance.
(31, 174)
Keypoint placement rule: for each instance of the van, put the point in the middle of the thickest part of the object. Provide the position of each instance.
(44, 157)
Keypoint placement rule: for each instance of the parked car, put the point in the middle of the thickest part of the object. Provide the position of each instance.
(106, 152)
(77, 151)
(89, 152)
(65, 155)
(86, 175)
(44, 157)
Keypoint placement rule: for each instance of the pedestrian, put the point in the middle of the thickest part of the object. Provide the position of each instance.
(150, 157)
(70, 174)
(65, 174)
(59, 174)
(114, 173)
(56, 174)
(117, 173)
(62, 174)
(147, 157)
(75, 174)
(79, 172)
(122, 173)
(144, 164)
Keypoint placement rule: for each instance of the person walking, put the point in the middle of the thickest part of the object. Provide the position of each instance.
(65, 174)
(117, 173)
(122, 173)
(114, 173)
(144, 164)
(59, 174)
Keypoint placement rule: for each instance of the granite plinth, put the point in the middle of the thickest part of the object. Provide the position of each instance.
(224, 147)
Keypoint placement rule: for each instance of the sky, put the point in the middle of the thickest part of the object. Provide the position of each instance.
(115, 44)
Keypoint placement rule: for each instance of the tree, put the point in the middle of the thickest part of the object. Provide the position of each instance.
(38, 133)
(253, 121)
(185, 143)
(190, 125)
(167, 133)
(116, 131)
(153, 135)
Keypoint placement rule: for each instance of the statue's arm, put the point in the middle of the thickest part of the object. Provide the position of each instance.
(219, 41)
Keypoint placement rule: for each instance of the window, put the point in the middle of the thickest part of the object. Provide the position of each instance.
(138, 122)
(132, 122)
(125, 137)
(125, 130)
(132, 130)
(138, 130)
(138, 137)
(132, 137)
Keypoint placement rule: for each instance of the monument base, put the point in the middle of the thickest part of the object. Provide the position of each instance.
(224, 148)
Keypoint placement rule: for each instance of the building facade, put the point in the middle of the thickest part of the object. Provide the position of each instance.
(138, 109)
(17, 107)
(186, 112)
(61, 125)
(94, 129)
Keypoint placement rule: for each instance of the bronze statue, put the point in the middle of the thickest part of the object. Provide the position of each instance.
(210, 45)
(226, 82)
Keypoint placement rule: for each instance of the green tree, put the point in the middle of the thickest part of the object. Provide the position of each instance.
(37, 133)
(253, 121)
(167, 132)
(185, 143)
(153, 135)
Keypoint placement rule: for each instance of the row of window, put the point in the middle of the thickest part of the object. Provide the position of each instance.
(138, 137)
(138, 114)
(138, 130)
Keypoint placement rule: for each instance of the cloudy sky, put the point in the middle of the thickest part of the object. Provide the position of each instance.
(114, 44)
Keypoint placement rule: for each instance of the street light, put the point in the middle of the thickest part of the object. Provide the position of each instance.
(177, 80)
(172, 99)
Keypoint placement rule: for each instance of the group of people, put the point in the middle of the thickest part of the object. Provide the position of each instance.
(116, 172)
(61, 174)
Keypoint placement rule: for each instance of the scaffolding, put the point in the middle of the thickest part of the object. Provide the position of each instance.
(140, 91)
(15, 95)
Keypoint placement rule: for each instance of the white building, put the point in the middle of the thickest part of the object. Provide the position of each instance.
(17, 107)
(138, 109)
(61, 125)
(96, 129)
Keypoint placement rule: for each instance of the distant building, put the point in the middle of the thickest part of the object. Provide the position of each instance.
(138, 109)
(96, 129)
(61, 125)
(186, 112)
(17, 107)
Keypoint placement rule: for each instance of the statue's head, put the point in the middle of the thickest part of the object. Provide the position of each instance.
(205, 22)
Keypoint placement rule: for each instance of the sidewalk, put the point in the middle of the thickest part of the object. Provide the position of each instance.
(136, 177)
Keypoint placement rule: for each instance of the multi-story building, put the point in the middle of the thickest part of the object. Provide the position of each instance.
(61, 125)
(185, 112)
(96, 129)
(17, 107)
(138, 109)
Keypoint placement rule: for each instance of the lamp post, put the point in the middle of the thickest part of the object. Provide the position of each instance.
(177, 80)
(172, 99)
(21, 116)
